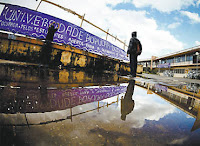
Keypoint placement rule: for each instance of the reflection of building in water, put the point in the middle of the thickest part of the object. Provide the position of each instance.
(31, 89)
(189, 102)
(193, 87)
(58, 78)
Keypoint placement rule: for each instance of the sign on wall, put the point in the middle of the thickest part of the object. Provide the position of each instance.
(32, 23)
(166, 65)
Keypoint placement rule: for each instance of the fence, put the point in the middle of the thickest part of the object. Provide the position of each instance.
(83, 19)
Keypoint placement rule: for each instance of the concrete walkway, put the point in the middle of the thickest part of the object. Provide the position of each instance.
(172, 80)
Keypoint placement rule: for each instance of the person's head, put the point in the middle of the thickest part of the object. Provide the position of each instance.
(52, 25)
(134, 34)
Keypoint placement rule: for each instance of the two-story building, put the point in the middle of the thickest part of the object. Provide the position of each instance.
(178, 63)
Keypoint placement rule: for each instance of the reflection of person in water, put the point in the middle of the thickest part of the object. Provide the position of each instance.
(43, 75)
(127, 104)
(47, 47)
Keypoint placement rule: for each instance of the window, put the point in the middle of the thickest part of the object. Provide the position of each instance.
(189, 58)
(163, 62)
(171, 60)
(179, 71)
(182, 58)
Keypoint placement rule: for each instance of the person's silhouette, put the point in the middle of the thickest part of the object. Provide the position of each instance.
(127, 104)
(134, 49)
(47, 48)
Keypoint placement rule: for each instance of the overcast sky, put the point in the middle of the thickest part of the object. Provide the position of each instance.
(163, 26)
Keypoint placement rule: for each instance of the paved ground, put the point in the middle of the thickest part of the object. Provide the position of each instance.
(172, 80)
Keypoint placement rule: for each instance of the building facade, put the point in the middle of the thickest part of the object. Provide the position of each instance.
(178, 64)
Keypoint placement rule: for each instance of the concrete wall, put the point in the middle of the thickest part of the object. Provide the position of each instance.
(19, 48)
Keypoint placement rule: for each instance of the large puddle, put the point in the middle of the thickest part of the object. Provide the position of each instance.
(40, 106)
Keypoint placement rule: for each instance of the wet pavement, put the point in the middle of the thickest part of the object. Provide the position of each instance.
(40, 106)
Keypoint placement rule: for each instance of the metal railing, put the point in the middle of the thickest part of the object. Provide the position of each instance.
(83, 19)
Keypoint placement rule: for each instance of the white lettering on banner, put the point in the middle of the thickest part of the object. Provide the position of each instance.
(75, 41)
(69, 29)
(80, 36)
(60, 36)
(9, 24)
(77, 33)
(29, 18)
(18, 15)
(6, 14)
(88, 38)
(15, 17)
(50, 22)
(61, 28)
(84, 92)
(89, 46)
(23, 16)
(26, 21)
(37, 20)
(94, 40)
(45, 22)
(74, 32)
(40, 30)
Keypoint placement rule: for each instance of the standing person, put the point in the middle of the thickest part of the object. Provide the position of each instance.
(134, 49)
(47, 47)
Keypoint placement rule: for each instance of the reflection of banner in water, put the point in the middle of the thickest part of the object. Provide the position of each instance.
(160, 87)
(44, 100)
(32, 23)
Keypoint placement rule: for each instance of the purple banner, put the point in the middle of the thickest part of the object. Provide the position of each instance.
(32, 23)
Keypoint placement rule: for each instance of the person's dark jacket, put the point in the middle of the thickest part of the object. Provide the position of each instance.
(132, 48)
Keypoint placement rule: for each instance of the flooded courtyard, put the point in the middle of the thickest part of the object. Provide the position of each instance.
(41, 106)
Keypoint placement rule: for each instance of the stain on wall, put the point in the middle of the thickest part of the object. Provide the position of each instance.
(29, 49)
(66, 58)
(80, 61)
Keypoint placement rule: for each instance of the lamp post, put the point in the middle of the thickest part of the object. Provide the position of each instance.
(197, 54)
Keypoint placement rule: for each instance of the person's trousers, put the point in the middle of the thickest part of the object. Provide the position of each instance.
(133, 64)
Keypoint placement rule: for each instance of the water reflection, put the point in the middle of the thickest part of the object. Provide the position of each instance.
(34, 75)
(43, 100)
(127, 104)
(48, 107)
(179, 97)
(28, 104)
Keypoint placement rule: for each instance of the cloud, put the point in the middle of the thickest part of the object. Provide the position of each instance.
(174, 25)
(119, 22)
(197, 43)
(145, 111)
(194, 17)
(33, 4)
(198, 2)
(164, 5)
